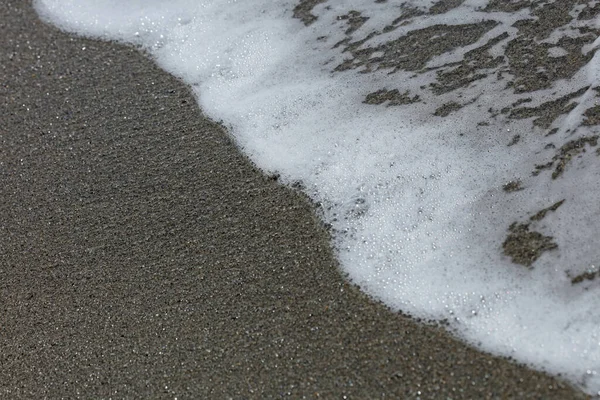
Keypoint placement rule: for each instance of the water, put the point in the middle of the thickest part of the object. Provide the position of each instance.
(452, 145)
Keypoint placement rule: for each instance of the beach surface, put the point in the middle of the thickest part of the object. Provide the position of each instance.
(142, 256)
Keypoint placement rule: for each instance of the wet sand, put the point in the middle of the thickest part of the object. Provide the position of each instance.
(142, 256)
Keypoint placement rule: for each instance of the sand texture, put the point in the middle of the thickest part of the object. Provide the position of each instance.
(142, 256)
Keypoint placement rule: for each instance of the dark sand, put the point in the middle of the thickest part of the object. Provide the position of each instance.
(141, 256)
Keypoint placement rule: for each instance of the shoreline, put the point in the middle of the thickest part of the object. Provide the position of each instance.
(144, 256)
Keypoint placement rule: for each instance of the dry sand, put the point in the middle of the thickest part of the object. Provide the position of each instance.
(141, 256)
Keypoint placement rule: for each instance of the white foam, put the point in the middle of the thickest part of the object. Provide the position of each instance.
(416, 200)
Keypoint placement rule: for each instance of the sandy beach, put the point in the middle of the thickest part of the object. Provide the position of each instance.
(142, 256)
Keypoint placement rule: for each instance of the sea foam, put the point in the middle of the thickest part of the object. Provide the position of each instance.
(450, 145)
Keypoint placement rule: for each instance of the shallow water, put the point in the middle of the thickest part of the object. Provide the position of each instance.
(451, 145)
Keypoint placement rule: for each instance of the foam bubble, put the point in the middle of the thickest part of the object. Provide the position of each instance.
(452, 146)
